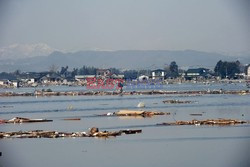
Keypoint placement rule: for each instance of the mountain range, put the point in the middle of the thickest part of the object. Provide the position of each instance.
(124, 59)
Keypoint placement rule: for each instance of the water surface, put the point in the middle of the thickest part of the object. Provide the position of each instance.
(227, 146)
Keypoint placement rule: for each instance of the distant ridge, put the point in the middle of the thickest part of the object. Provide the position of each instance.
(123, 59)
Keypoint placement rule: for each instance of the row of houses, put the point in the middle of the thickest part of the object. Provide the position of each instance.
(161, 74)
(34, 78)
(8, 80)
(29, 78)
(190, 74)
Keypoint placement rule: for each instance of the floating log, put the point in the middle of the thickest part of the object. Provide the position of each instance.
(131, 131)
(106, 134)
(72, 119)
(128, 112)
(94, 132)
(219, 122)
(196, 114)
(25, 120)
(138, 113)
(177, 102)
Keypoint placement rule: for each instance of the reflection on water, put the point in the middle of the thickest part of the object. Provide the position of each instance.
(155, 146)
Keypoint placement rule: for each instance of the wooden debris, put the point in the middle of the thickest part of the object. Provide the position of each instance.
(72, 119)
(196, 114)
(135, 113)
(129, 113)
(25, 120)
(131, 131)
(177, 102)
(94, 132)
(219, 122)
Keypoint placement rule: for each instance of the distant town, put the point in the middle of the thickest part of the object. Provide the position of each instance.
(223, 72)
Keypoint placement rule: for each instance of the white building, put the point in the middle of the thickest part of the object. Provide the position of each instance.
(83, 77)
(248, 71)
(158, 74)
(15, 84)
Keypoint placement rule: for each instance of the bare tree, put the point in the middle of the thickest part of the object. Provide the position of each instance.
(53, 68)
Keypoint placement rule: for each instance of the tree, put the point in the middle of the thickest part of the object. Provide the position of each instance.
(53, 68)
(218, 68)
(114, 71)
(17, 72)
(173, 69)
(63, 70)
(87, 70)
(227, 69)
(130, 74)
(74, 72)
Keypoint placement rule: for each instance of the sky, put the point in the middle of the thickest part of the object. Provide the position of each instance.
(71, 25)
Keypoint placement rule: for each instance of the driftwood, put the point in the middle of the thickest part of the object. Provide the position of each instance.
(195, 114)
(24, 120)
(72, 119)
(219, 122)
(177, 102)
(94, 132)
(135, 113)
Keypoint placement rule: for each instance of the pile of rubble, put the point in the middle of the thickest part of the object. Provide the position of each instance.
(94, 132)
(24, 120)
(135, 113)
(219, 122)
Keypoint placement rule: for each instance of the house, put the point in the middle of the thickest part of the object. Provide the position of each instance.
(158, 74)
(8, 80)
(115, 76)
(51, 77)
(103, 73)
(4, 82)
(248, 72)
(15, 83)
(197, 72)
(32, 77)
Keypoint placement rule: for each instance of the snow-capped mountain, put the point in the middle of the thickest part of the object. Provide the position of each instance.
(19, 51)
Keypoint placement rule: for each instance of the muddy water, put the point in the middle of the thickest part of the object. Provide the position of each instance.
(155, 146)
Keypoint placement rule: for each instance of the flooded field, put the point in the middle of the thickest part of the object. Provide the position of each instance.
(156, 146)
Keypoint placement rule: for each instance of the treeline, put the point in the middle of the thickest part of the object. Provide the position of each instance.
(226, 69)
(85, 70)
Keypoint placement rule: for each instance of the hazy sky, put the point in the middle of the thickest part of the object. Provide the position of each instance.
(72, 25)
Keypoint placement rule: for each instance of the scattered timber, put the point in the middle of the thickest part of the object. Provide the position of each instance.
(94, 132)
(24, 120)
(218, 122)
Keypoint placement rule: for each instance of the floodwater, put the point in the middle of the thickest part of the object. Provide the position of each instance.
(205, 146)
